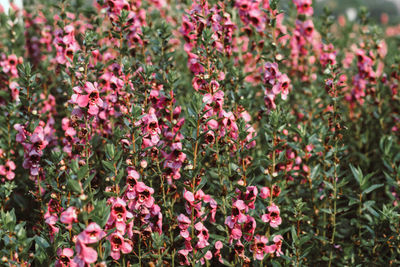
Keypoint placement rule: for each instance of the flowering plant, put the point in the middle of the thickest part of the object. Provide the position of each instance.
(234, 133)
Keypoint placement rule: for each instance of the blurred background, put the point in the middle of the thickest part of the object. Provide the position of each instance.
(349, 8)
(375, 7)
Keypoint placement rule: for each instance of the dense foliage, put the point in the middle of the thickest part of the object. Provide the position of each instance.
(217, 133)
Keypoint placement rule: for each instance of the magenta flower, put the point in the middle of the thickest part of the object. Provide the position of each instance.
(238, 216)
(259, 247)
(304, 7)
(278, 245)
(65, 258)
(184, 223)
(189, 197)
(202, 235)
(272, 216)
(269, 100)
(85, 255)
(7, 170)
(144, 195)
(9, 65)
(218, 246)
(118, 215)
(69, 216)
(131, 181)
(249, 228)
(119, 244)
(284, 83)
(92, 234)
(183, 256)
(51, 221)
(265, 193)
(91, 99)
(250, 196)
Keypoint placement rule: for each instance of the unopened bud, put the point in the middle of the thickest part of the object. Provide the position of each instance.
(143, 164)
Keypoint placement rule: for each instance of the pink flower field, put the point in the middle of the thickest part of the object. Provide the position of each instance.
(198, 133)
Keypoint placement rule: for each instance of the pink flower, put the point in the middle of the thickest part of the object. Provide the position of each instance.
(119, 244)
(304, 7)
(284, 83)
(91, 99)
(238, 216)
(239, 249)
(7, 170)
(183, 256)
(189, 197)
(202, 235)
(218, 246)
(250, 196)
(269, 100)
(184, 223)
(51, 220)
(65, 258)
(92, 234)
(259, 247)
(85, 255)
(69, 216)
(249, 228)
(272, 216)
(271, 72)
(278, 245)
(118, 213)
(265, 193)
(144, 195)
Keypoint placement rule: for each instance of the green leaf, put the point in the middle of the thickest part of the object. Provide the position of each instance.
(74, 185)
(357, 173)
(108, 165)
(41, 242)
(82, 172)
(88, 180)
(110, 151)
(372, 188)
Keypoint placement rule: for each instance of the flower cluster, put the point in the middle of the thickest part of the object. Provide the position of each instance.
(159, 133)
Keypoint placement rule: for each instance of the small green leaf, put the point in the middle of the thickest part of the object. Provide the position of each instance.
(82, 172)
(372, 188)
(108, 165)
(74, 185)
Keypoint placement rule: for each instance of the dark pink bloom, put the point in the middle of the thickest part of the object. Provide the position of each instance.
(189, 197)
(249, 228)
(184, 223)
(69, 216)
(272, 216)
(202, 235)
(238, 216)
(183, 256)
(269, 100)
(51, 221)
(265, 193)
(85, 255)
(250, 196)
(65, 258)
(284, 83)
(91, 99)
(278, 245)
(119, 244)
(304, 7)
(218, 246)
(7, 170)
(144, 195)
(259, 247)
(92, 234)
